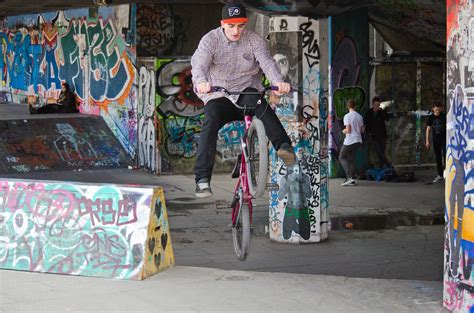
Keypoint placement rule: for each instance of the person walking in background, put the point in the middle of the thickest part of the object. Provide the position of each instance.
(353, 129)
(375, 127)
(436, 124)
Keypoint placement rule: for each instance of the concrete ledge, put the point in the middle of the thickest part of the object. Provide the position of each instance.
(103, 230)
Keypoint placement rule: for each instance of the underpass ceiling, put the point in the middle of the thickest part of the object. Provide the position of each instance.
(416, 26)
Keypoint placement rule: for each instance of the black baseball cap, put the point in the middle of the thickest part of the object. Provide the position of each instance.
(234, 13)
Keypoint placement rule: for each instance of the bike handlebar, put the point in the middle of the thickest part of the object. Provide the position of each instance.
(218, 88)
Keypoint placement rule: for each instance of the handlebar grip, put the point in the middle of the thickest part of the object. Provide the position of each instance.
(274, 88)
(216, 88)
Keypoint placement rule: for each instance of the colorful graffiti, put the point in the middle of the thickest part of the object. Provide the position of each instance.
(349, 80)
(298, 209)
(77, 229)
(147, 149)
(91, 54)
(180, 113)
(59, 144)
(459, 241)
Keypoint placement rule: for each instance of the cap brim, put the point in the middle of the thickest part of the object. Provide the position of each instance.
(235, 20)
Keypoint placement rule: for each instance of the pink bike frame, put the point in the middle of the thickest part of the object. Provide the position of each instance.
(243, 179)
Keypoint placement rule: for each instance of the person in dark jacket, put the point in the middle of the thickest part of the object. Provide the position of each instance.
(375, 127)
(66, 103)
(436, 125)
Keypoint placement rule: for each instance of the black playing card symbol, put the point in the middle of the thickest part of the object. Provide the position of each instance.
(151, 245)
(157, 260)
(158, 208)
(164, 240)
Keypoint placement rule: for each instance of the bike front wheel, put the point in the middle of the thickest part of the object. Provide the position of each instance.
(241, 230)
(257, 158)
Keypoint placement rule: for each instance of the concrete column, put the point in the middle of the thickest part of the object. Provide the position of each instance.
(459, 173)
(298, 209)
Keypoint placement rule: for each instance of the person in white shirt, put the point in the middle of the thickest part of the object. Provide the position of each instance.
(354, 127)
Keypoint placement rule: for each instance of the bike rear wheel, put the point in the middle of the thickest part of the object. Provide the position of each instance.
(241, 229)
(258, 158)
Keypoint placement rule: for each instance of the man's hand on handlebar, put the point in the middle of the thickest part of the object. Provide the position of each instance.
(283, 88)
(203, 87)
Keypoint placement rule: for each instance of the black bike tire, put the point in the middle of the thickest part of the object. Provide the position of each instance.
(258, 188)
(241, 238)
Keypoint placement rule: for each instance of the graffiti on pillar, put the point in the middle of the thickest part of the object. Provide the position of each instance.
(181, 115)
(459, 240)
(147, 150)
(90, 53)
(310, 44)
(297, 209)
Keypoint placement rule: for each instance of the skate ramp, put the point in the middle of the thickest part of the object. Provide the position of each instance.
(59, 143)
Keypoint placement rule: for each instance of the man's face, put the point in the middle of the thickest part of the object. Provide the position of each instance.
(437, 110)
(376, 105)
(233, 31)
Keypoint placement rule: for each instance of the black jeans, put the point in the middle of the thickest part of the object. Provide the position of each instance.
(347, 158)
(221, 111)
(379, 147)
(439, 148)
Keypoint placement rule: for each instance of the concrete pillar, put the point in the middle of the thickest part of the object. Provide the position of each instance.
(459, 240)
(298, 209)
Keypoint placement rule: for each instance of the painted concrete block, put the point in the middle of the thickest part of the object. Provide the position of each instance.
(114, 231)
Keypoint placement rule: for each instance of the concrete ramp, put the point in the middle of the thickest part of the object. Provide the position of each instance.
(50, 143)
(102, 230)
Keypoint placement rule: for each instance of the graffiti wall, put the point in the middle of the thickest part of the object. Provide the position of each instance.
(400, 84)
(148, 156)
(298, 209)
(55, 144)
(459, 241)
(77, 229)
(180, 117)
(174, 29)
(349, 79)
(91, 49)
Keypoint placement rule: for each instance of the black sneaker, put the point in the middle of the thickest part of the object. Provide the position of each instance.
(287, 154)
(203, 189)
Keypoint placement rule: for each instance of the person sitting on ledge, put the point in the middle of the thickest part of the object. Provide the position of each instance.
(66, 103)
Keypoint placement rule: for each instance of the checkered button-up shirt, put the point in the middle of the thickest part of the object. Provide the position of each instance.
(234, 65)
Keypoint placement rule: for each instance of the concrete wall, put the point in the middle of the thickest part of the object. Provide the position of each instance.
(459, 243)
(349, 79)
(114, 231)
(91, 49)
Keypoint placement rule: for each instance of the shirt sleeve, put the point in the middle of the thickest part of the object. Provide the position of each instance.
(346, 120)
(265, 60)
(202, 59)
(430, 121)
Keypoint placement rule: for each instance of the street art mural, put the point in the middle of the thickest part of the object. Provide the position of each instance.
(180, 117)
(349, 81)
(113, 231)
(57, 144)
(147, 148)
(459, 240)
(298, 207)
(93, 54)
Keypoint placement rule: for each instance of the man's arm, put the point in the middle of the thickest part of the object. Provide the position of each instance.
(428, 131)
(201, 62)
(347, 130)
